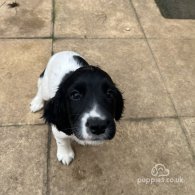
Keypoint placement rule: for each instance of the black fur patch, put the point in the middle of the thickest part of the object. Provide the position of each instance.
(42, 74)
(55, 109)
(80, 61)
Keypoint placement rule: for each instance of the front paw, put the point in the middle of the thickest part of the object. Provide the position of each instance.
(36, 104)
(65, 156)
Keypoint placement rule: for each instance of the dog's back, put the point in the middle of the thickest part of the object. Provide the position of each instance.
(59, 66)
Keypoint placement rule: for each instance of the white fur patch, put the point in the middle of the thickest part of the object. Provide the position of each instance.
(58, 66)
(92, 113)
(65, 153)
(37, 102)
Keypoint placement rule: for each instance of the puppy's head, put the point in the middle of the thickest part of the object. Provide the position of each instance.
(86, 105)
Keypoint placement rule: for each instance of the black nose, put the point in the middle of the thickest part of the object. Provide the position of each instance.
(96, 125)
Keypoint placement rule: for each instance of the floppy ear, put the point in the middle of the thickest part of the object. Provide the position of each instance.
(119, 105)
(55, 113)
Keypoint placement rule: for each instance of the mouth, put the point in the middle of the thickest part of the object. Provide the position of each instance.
(101, 137)
(93, 139)
(88, 141)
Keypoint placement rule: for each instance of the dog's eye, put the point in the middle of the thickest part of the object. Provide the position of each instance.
(75, 95)
(110, 93)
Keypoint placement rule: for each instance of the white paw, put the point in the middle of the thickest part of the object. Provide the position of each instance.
(36, 104)
(65, 156)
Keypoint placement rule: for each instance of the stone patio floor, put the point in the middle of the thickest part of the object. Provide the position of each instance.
(152, 60)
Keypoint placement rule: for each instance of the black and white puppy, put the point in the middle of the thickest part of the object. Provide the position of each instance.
(82, 102)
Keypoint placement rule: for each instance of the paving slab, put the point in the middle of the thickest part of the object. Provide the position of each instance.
(176, 62)
(22, 61)
(189, 124)
(95, 19)
(28, 19)
(131, 66)
(156, 26)
(123, 165)
(23, 160)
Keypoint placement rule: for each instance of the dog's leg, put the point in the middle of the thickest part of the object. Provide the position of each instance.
(37, 102)
(65, 153)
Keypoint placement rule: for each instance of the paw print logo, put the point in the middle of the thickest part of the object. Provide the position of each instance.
(159, 170)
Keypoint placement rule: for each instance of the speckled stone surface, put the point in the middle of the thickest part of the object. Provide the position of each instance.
(189, 124)
(97, 19)
(123, 165)
(28, 19)
(156, 26)
(132, 68)
(22, 61)
(177, 65)
(23, 160)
